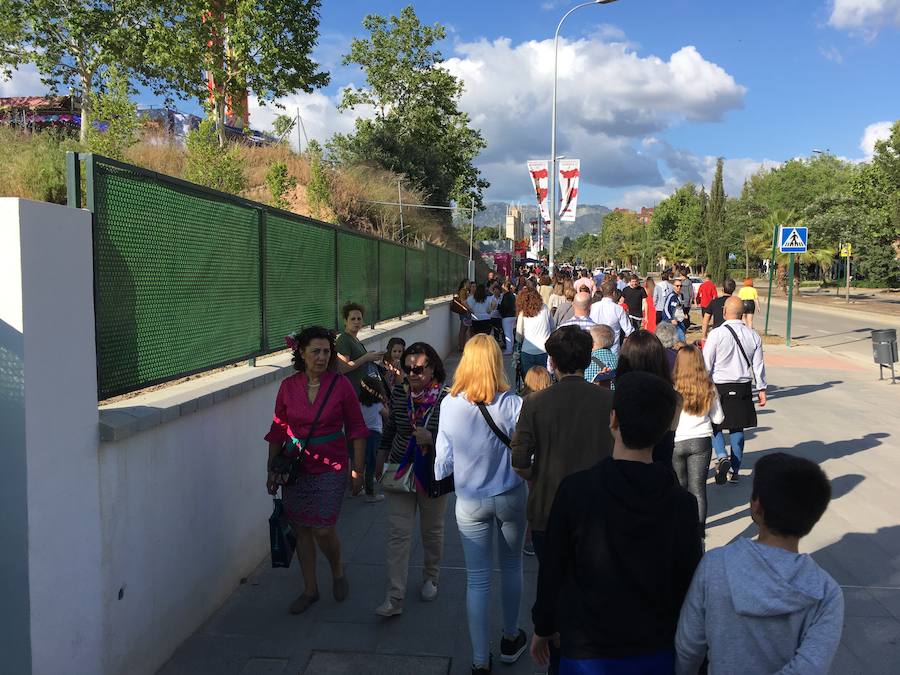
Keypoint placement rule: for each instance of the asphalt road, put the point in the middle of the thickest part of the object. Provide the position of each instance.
(848, 334)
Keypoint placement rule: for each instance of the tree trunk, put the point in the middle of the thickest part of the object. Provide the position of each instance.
(781, 278)
(220, 121)
(87, 83)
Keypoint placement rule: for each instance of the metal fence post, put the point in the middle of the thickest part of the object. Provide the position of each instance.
(377, 315)
(73, 180)
(262, 224)
(337, 284)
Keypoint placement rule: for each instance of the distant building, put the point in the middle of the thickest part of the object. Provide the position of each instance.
(644, 217)
(515, 228)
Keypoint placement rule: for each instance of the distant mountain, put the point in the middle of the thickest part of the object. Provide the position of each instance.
(588, 218)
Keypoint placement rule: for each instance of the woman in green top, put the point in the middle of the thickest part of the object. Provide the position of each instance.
(352, 358)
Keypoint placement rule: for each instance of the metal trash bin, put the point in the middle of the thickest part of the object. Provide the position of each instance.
(884, 350)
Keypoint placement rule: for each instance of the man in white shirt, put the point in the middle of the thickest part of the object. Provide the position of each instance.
(608, 312)
(581, 307)
(734, 358)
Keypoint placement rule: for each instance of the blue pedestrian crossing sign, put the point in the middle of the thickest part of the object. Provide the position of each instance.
(792, 239)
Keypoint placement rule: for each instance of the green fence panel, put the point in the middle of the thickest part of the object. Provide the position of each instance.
(357, 274)
(299, 274)
(390, 280)
(415, 280)
(177, 279)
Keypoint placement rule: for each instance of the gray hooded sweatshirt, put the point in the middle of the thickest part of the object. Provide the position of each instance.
(757, 609)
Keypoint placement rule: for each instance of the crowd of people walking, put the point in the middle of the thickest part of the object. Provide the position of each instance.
(597, 463)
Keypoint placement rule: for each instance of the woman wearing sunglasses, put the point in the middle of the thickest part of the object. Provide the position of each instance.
(407, 442)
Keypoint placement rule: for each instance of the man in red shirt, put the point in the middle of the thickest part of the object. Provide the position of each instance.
(707, 292)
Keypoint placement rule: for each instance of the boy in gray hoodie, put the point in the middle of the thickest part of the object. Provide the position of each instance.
(760, 606)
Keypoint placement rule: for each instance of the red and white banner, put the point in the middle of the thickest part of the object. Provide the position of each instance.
(540, 182)
(569, 172)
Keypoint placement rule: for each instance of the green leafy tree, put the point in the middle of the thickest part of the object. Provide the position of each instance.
(115, 111)
(716, 234)
(256, 45)
(417, 129)
(283, 125)
(318, 191)
(280, 182)
(207, 164)
(73, 43)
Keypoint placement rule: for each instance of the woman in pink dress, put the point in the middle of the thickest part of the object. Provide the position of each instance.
(313, 503)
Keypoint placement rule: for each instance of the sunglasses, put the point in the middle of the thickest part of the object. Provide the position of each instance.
(414, 370)
(677, 285)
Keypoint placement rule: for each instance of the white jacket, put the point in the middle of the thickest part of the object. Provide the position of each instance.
(699, 426)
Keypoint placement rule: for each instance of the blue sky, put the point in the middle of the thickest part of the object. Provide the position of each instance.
(650, 92)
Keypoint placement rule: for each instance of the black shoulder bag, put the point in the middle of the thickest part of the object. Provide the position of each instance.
(744, 354)
(493, 425)
(287, 469)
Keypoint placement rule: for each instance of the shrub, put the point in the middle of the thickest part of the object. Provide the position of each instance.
(114, 109)
(208, 164)
(279, 182)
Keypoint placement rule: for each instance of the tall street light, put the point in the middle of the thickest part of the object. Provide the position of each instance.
(554, 207)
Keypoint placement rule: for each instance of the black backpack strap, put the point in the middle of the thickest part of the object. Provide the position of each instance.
(493, 425)
(743, 353)
(315, 421)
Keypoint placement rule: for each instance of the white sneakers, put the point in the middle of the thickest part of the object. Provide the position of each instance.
(390, 607)
(429, 591)
(393, 607)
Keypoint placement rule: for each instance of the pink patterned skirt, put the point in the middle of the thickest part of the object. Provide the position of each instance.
(315, 500)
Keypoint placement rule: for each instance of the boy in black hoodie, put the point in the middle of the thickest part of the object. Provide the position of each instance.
(622, 543)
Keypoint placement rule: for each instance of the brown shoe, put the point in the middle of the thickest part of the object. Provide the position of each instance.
(302, 603)
(341, 587)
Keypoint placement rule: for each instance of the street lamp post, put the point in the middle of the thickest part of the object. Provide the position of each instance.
(554, 209)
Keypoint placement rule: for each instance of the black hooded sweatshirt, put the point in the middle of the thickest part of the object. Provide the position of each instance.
(621, 546)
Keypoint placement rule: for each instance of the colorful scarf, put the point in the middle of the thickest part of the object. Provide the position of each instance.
(419, 407)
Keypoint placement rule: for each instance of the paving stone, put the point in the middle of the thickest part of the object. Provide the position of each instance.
(353, 663)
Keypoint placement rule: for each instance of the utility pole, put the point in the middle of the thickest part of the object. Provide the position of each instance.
(771, 276)
(787, 339)
(400, 202)
(299, 146)
(472, 243)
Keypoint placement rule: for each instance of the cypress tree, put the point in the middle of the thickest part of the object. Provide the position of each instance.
(715, 228)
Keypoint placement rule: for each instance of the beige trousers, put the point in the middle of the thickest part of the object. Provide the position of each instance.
(401, 521)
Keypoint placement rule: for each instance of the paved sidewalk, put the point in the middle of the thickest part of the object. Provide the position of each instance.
(821, 407)
(882, 303)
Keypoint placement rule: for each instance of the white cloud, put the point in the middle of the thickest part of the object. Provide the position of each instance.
(832, 54)
(609, 99)
(865, 16)
(24, 82)
(320, 115)
(646, 196)
(874, 132)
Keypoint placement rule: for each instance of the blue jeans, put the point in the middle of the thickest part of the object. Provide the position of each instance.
(477, 519)
(736, 437)
(372, 442)
(679, 329)
(526, 361)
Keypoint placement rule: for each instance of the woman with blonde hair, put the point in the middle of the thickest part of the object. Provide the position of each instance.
(536, 379)
(693, 437)
(476, 422)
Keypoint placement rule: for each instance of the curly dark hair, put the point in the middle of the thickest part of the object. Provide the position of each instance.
(350, 307)
(529, 302)
(302, 340)
(433, 359)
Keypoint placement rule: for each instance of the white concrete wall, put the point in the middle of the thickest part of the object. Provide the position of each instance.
(184, 509)
(54, 291)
